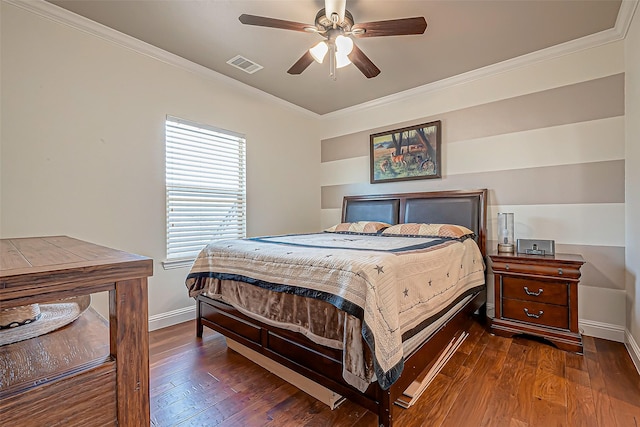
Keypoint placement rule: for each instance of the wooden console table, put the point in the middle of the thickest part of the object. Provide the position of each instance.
(89, 378)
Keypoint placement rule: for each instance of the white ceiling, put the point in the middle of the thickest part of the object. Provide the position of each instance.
(461, 36)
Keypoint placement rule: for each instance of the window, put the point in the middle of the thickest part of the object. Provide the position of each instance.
(206, 188)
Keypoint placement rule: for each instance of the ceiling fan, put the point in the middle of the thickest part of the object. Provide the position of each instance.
(336, 26)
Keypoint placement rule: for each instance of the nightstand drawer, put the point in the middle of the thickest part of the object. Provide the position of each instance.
(554, 316)
(535, 290)
(549, 270)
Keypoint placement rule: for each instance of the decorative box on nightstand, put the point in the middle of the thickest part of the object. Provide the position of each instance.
(538, 295)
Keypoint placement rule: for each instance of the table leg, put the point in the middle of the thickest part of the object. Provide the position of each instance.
(129, 340)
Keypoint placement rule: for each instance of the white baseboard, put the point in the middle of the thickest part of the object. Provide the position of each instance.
(633, 349)
(591, 328)
(170, 318)
(601, 330)
(491, 310)
(588, 327)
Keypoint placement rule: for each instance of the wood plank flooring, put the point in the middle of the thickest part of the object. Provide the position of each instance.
(490, 381)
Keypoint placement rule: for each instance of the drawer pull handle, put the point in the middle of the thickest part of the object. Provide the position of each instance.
(535, 316)
(560, 271)
(535, 294)
(506, 267)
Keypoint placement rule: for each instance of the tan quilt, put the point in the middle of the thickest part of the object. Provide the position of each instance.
(386, 286)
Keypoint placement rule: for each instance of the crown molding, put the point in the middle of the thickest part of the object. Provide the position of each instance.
(62, 16)
(618, 32)
(625, 16)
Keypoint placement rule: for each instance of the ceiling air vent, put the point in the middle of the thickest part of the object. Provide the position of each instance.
(244, 64)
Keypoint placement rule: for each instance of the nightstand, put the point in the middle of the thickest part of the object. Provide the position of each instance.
(538, 295)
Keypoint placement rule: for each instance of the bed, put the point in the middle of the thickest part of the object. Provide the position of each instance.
(245, 290)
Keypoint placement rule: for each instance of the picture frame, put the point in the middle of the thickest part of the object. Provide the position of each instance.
(408, 153)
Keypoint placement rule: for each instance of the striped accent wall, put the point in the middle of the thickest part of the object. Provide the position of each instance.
(554, 157)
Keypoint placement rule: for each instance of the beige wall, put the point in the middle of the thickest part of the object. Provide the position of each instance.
(81, 152)
(547, 140)
(82, 145)
(632, 178)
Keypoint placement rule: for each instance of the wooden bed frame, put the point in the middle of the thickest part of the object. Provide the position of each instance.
(324, 365)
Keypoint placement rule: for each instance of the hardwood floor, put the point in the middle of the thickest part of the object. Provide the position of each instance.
(490, 381)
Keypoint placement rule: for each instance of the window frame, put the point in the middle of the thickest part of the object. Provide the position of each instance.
(190, 186)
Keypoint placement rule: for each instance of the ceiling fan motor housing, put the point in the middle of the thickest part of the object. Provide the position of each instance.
(324, 23)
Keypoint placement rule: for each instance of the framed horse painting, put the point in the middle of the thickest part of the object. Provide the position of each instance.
(409, 153)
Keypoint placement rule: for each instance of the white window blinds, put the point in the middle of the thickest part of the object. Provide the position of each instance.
(206, 187)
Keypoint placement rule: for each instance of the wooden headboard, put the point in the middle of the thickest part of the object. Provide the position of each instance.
(459, 207)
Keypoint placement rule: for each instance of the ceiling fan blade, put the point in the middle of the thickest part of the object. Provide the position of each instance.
(363, 63)
(392, 27)
(263, 21)
(302, 64)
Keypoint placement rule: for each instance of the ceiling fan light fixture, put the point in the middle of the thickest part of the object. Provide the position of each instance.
(342, 60)
(319, 51)
(344, 45)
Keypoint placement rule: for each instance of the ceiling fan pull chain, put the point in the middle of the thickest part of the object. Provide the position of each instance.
(332, 60)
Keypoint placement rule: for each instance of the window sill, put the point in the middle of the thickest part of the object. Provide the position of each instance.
(177, 263)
